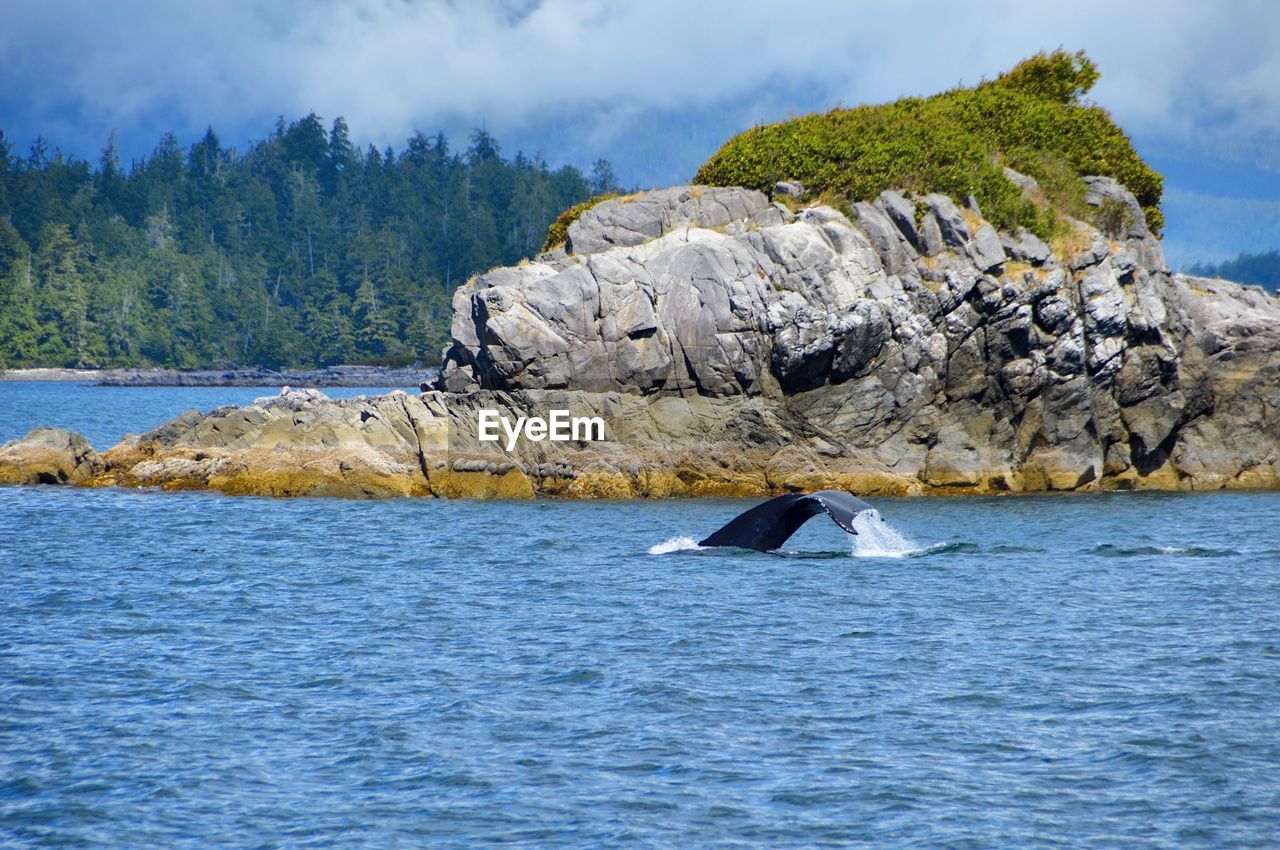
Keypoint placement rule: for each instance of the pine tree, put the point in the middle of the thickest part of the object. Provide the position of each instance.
(19, 329)
(341, 156)
(602, 179)
(62, 297)
(375, 334)
(108, 183)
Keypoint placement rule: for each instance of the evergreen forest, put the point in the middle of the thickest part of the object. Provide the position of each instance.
(303, 250)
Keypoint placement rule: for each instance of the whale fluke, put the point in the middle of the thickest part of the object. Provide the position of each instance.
(768, 525)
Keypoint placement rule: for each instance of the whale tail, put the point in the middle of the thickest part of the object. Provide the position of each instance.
(768, 525)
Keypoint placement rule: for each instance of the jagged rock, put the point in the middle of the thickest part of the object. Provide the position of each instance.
(635, 220)
(898, 253)
(1125, 220)
(902, 213)
(1075, 366)
(931, 240)
(950, 220)
(48, 456)
(299, 442)
(1026, 183)
(1026, 247)
(985, 249)
(1099, 190)
(1098, 251)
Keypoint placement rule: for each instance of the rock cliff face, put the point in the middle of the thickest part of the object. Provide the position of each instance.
(914, 343)
(735, 346)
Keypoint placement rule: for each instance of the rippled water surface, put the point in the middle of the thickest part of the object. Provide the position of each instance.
(187, 670)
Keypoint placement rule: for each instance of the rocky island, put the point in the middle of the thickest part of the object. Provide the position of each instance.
(758, 339)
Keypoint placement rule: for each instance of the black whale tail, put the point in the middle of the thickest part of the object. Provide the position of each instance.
(768, 525)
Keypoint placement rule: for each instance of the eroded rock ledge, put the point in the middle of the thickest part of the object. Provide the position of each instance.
(734, 346)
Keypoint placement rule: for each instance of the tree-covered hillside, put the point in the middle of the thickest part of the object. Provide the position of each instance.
(300, 251)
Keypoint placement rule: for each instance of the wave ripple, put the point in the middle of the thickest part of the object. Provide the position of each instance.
(185, 670)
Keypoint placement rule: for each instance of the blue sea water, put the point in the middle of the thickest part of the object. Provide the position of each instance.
(187, 670)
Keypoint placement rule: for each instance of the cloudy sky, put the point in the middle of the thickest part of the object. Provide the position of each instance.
(652, 86)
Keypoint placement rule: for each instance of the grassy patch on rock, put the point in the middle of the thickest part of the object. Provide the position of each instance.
(1032, 119)
(558, 232)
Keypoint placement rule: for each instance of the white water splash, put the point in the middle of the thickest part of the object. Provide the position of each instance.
(877, 539)
(674, 544)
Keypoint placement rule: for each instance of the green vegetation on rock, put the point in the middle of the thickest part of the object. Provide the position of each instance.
(1031, 119)
(558, 232)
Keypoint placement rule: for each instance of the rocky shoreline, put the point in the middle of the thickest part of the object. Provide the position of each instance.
(330, 376)
(735, 346)
(84, 376)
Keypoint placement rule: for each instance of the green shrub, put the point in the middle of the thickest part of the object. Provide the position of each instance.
(1029, 118)
(558, 232)
(1114, 218)
(1061, 76)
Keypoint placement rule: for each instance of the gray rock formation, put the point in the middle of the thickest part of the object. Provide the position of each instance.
(789, 189)
(916, 338)
(629, 221)
(48, 456)
(732, 346)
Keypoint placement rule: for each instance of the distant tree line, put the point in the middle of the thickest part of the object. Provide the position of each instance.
(1262, 269)
(303, 250)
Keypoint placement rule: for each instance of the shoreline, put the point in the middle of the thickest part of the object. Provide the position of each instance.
(332, 376)
(14, 376)
(302, 443)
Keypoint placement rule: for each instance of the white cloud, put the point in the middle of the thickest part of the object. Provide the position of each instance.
(1201, 75)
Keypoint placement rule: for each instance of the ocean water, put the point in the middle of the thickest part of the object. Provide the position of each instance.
(187, 670)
